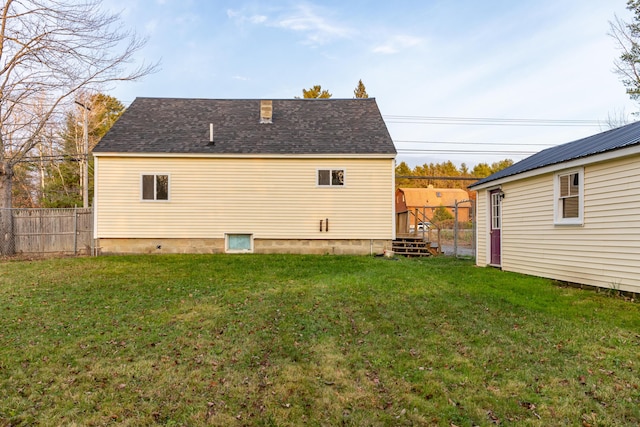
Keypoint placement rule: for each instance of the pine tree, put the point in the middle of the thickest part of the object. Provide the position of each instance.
(403, 169)
(441, 214)
(481, 170)
(502, 164)
(315, 92)
(360, 91)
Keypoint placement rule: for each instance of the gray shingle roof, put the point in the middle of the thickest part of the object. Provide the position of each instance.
(300, 126)
(610, 140)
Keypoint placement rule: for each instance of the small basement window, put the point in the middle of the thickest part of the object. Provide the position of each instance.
(330, 177)
(155, 187)
(239, 243)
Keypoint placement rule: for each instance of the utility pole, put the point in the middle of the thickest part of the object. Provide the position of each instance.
(84, 158)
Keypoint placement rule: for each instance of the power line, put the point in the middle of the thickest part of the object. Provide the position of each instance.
(509, 149)
(59, 157)
(489, 121)
(435, 151)
(473, 143)
(449, 178)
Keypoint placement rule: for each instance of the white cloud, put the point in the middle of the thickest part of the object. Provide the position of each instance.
(241, 18)
(318, 29)
(397, 43)
(257, 19)
(304, 19)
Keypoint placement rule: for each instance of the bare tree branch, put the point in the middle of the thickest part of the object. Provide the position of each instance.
(627, 38)
(50, 50)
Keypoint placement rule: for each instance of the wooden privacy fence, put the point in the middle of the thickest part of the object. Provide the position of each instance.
(45, 231)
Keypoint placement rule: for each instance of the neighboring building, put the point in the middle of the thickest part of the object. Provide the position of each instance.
(570, 213)
(281, 176)
(419, 205)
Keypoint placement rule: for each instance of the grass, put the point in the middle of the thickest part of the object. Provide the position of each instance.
(320, 340)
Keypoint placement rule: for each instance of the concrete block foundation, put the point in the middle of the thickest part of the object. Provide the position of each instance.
(261, 246)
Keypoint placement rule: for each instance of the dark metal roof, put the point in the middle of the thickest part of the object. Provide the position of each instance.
(610, 140)
(299, 126)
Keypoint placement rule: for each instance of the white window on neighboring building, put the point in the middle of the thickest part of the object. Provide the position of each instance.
(569, 199)
(155, 187)
(331, 177)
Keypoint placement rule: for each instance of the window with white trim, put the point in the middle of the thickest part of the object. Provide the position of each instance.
(495, 210)
(330, 177)
(155, 187)
(569, 190)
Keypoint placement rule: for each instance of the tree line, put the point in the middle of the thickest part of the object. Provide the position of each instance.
(436, 173)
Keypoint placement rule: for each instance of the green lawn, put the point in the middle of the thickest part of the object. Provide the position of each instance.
(323, 340)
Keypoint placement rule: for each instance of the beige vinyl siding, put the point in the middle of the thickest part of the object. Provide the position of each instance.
(482, 227)
(604, 252)
(269, 198)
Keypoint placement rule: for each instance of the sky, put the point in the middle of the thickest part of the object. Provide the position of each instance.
(462, 80)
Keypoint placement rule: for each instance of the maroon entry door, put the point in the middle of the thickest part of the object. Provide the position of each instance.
(496, 226)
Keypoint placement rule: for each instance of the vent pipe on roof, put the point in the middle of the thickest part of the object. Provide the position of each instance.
(266, 111)
(211, 134)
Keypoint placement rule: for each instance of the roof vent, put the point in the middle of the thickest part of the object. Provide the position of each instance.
(266, 111)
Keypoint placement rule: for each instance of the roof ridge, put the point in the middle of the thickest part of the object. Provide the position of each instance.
(172, 98)
(184, 125)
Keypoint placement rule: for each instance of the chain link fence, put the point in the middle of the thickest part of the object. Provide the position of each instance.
(7, 244)
(459, 239)
(455, 236)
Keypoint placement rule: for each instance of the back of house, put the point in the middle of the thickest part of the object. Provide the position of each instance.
(264, 176)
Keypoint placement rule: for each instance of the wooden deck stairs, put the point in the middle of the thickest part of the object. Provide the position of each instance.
(414, 246)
